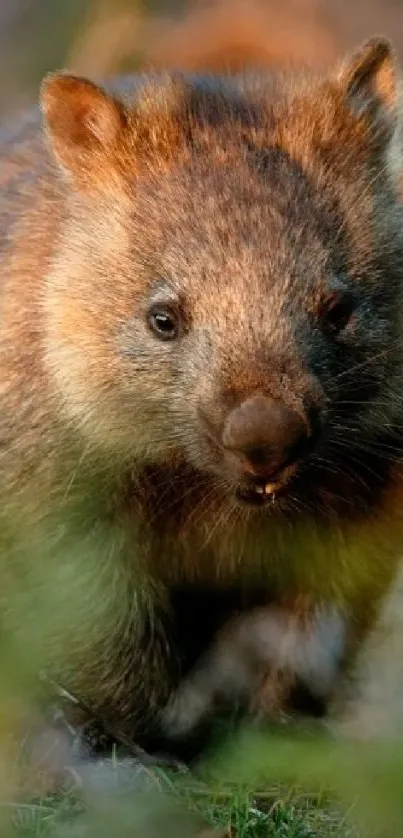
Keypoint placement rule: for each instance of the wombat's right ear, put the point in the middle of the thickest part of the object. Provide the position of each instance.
(369, 82)
(83, 123)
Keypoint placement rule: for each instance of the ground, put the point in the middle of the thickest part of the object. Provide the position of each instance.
(122, 799)
(328, 790)
(236, 815)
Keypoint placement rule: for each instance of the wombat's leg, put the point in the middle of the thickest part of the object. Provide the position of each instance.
(238, 666)
(369, 702)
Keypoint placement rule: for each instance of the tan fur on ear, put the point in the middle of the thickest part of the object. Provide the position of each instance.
(370, 81)
(82, 120)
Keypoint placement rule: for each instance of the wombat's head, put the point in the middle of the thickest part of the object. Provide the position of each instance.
(227, 291)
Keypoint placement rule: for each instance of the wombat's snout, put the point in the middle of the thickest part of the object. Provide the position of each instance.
(262, 436)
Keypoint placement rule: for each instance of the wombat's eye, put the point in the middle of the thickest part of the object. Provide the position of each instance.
(336, 312)
(164, 321)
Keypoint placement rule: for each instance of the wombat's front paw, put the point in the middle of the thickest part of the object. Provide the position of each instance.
(255, 661)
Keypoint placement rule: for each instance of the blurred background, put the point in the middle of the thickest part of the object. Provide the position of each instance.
(98, 37)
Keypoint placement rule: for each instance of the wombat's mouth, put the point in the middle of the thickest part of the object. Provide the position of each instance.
(260, 494)
(265, 492)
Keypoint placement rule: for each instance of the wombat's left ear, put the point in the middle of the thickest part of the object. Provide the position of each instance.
(83, 123)
(369, 81)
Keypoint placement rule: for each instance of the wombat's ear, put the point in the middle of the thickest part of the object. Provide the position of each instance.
(369, 81)
(83, 123)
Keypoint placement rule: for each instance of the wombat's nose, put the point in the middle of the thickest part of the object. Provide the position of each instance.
(265, 435)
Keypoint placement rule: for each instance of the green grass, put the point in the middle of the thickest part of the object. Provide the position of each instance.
(259, 816)
(184, 806)
(237, 815)
(257, 786)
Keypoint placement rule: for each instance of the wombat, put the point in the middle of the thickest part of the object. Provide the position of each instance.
(200, 369)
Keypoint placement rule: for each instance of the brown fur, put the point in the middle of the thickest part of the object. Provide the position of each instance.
(240, 201)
